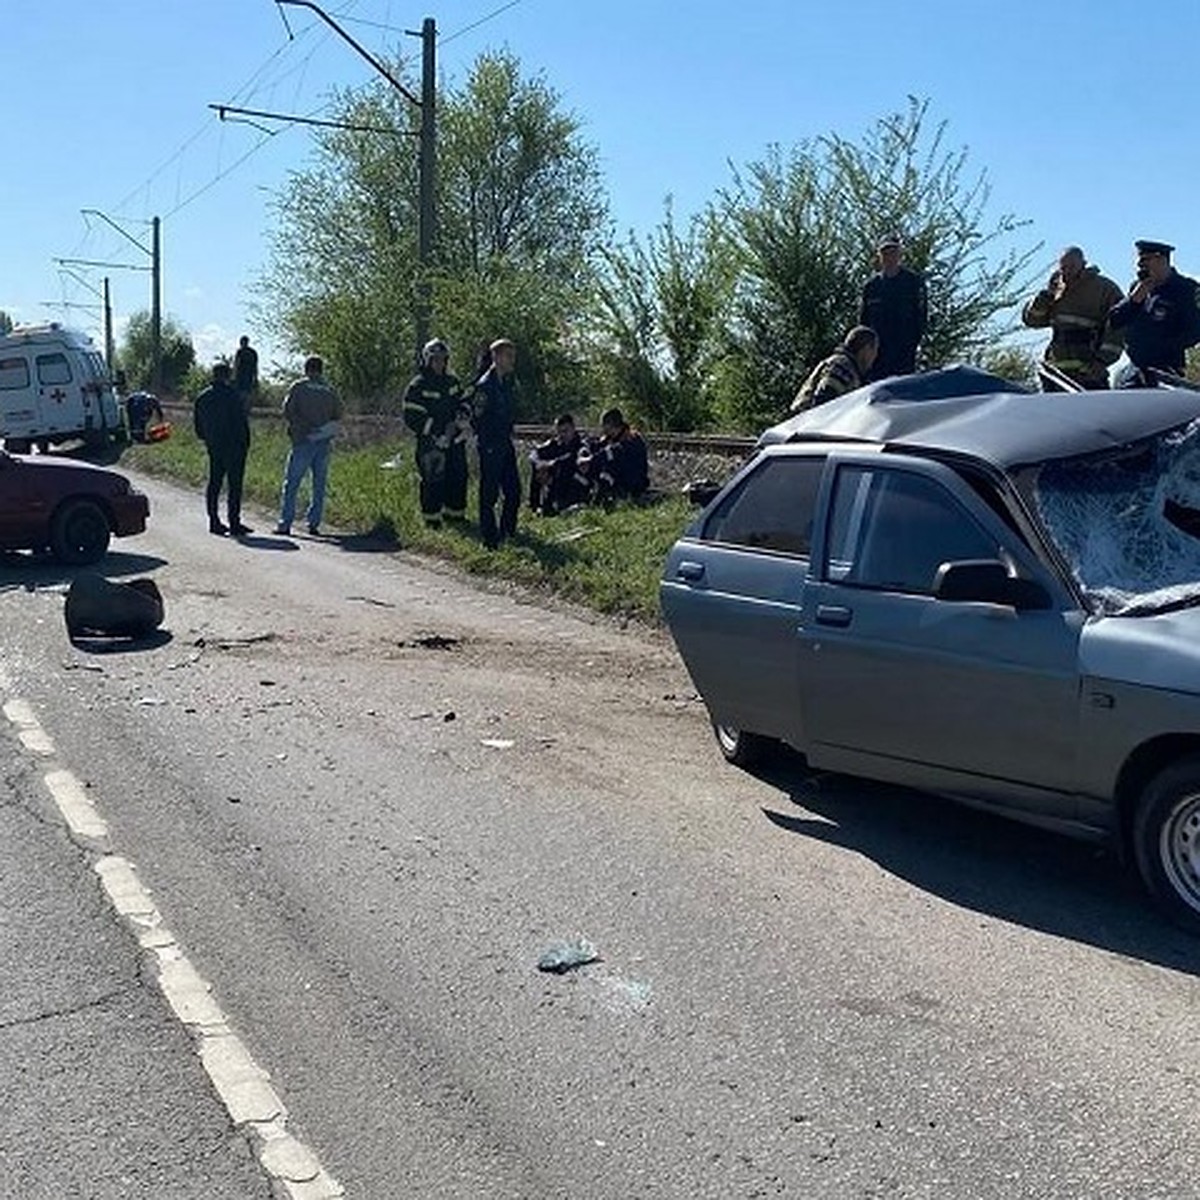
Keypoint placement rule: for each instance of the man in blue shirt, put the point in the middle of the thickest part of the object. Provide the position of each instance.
(1160, 316)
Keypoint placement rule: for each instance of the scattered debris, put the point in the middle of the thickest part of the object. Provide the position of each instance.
(234, 799)
(564, 956)
(430, 641)
(151, 701)
(234, 643)
(450, 716)
(184, 662)
(266, 683)
(498, 743)
(98, 607)
(373, 601)
(420, 716)
(82, 666)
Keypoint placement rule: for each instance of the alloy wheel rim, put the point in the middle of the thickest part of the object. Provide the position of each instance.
(1179, 850)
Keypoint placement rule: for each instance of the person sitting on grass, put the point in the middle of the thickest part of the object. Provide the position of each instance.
(556, 482)
(618, 464)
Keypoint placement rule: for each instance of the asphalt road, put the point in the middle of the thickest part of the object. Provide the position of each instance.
(364, 795)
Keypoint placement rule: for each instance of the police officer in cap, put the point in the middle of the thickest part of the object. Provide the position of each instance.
(1160, 316)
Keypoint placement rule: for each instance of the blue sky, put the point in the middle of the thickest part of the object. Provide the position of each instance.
(1080, 112)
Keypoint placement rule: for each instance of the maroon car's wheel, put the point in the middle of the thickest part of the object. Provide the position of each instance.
(79, 533)
(1166, 841)
(741, 748)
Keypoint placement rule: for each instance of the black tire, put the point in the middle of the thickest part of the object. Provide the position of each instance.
(18, 445)
(741, 748)
(79, 533)
(1166, 841)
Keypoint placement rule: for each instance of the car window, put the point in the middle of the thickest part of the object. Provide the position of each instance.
(772, 509)
(53, 368)
(893, 529)
(14, 374)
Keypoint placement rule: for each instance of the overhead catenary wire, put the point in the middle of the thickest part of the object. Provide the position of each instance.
(482, 21)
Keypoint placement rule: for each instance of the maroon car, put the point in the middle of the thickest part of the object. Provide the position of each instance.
(68, 507)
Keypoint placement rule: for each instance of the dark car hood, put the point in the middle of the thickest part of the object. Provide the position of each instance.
(50, 462)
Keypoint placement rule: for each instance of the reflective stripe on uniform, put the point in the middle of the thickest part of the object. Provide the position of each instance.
(1080, 322)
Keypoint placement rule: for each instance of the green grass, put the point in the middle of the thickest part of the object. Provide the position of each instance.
(609, 561)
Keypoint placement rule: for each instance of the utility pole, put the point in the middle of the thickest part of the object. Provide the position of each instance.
(109, 350)
(155, 255)
(427, 162)
(427, 184)
(156, 303)
(64, 265)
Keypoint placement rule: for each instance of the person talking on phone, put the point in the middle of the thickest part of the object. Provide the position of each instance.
(1074, 305)
(1160, 316)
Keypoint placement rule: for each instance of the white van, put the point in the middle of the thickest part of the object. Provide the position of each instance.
(54, 386)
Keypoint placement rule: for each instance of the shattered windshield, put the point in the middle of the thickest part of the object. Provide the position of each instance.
(1128, 521)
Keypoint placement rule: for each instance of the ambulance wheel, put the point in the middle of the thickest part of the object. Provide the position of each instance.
(17, 445)
(79, 533)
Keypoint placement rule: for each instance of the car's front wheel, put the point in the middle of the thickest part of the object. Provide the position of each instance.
(1166, 841)
(79, 533)
(741, 748)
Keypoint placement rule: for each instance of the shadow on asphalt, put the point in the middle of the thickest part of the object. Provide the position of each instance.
(20, 569)
(265, 541)
(988, 864)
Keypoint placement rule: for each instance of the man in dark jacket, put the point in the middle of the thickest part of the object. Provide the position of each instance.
(433, 410)
(619, 464)
(495, 412)
(222, 425)
(139, 408)
(896, 306)
(556, 481)
(1160, 316)
(245, 369)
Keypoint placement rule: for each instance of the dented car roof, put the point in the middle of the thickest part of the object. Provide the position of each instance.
(965, 411)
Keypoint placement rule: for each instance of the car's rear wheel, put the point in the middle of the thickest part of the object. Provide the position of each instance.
(79, 533)
(18, 445)
(741, 748)
(1166, 841)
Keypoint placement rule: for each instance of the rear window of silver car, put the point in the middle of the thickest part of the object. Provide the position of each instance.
(773, 508)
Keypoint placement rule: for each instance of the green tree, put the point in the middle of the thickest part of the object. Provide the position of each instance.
(660, 309)
(6, 323)
(804, 225)
(521, 212)
(1012, 361)
(135, 356)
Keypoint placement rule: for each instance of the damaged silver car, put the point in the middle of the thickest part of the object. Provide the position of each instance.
(990, 594)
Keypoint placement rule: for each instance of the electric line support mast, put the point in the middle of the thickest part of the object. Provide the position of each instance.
(427, 161)
(154, 253)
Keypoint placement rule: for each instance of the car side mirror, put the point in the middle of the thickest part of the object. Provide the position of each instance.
(987, 581)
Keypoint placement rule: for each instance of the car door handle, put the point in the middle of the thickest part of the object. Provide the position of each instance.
(837, 615)
(691, 571)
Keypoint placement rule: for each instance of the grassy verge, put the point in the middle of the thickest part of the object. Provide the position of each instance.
(610, 561)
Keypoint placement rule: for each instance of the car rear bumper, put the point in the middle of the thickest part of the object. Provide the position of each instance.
(129, 514)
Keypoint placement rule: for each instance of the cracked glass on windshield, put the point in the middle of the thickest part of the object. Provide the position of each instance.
(1128, 521)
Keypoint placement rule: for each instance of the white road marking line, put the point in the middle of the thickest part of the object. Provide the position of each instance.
(29, 730)
(243, 1086)
(77, 809)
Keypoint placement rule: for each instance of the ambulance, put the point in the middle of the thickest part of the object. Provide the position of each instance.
(54, 387)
